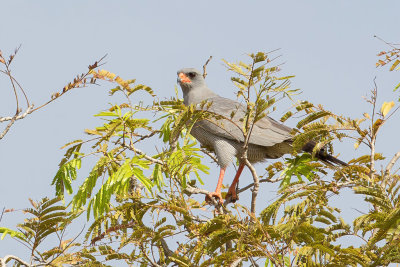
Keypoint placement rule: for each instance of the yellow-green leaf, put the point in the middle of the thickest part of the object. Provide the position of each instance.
(394, 64)
(386, 107)
(378, 123)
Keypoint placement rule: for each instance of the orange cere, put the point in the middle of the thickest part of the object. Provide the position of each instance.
(184, 78)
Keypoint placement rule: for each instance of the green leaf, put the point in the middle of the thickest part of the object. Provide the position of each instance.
(107, 114)
(157, 176)
(138, 173)
(5, 231)
(259, 57)
(312, 117)
(64, 176)
(85, 190)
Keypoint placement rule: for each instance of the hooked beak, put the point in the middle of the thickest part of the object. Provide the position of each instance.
(182, 78)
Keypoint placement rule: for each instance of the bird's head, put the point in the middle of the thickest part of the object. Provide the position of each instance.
(193, 86)
(189, 78)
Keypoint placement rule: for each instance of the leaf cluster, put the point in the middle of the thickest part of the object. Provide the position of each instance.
(144, 209)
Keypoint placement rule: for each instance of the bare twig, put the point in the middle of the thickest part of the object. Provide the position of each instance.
(20, 116)
(8, 73)
(208, 153)
(205, 66)
(236, 262)
(391, 164)
(5, 131)
(23, 91)
(389, 44)
(138, 151)
(19, 85)
(2, 213)
(12, 257)
(266, 180)
(247, 135)
(256, 185)
(253, 262)
(12, 120)
(373, 132)
(166, 249)
(154, 264)
(109, 230)
(62, 250)
(145, 137)
(78, 82)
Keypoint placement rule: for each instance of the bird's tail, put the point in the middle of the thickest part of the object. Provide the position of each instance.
(322, 154)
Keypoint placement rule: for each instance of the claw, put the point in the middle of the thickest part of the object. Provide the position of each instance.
(232, 195)
(216, 195)
(232, 189)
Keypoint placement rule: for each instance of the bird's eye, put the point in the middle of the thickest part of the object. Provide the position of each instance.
(191, 75)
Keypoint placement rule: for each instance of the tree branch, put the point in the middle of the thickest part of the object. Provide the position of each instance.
(165, 248)
(208, 153)
(8, 126)
(78, 82)
(256, 185)
(194, 190)
(391, 164)
(373, 131)
(204, 67)
(138, 151)
(236, 262)
(12, 257)
(154, 264)
(266, 180)
(18, 116)
(12, 120)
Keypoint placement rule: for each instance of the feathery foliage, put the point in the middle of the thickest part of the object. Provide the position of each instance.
(144, 207)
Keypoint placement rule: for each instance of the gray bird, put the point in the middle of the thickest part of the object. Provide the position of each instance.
(269, 139)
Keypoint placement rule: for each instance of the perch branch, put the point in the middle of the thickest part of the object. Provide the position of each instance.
(195, 190)
(256, 185)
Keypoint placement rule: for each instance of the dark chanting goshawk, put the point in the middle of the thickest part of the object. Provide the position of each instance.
(269, 139)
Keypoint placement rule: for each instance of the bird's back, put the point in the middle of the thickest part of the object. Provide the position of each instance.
(226, 149)
(229, 124)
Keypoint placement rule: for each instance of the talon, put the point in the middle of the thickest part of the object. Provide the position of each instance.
(216, 195)
(232, 194)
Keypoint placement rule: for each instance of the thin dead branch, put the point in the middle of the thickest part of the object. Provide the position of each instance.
(391, 164)
(140, 152)
(256, 185)
(266, 180)
(6, 258)
(19, 116)
(205, 66)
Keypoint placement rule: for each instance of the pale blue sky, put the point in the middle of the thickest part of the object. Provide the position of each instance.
(328, 45)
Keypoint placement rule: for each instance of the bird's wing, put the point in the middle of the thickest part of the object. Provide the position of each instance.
(266, 132)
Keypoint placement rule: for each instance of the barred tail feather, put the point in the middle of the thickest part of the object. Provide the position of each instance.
(323, 155)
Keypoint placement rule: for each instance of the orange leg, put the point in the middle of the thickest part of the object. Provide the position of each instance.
(232, 188)
(217, 192)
